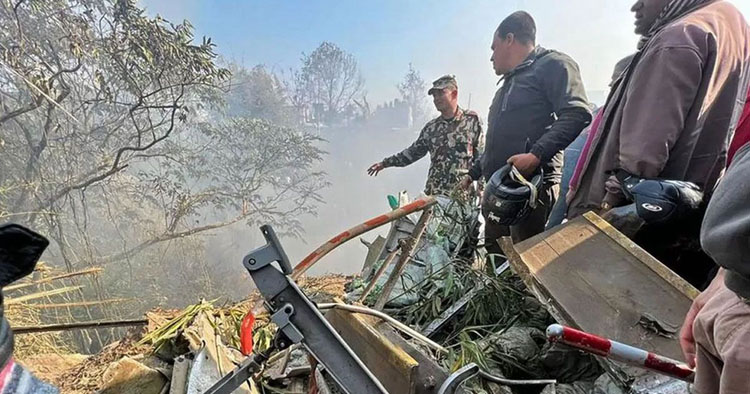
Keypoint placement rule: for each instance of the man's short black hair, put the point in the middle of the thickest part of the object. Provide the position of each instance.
(521, 25)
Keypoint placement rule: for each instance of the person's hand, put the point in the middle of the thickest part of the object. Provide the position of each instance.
(625, 219)
(687, 341)
(525, 162)
(465, 182)
(375, 169)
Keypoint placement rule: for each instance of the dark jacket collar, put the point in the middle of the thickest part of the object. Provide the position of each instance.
(538, 53)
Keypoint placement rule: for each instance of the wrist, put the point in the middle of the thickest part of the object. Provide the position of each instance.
(537, 151)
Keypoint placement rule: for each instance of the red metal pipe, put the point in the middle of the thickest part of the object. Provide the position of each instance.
(333, 243)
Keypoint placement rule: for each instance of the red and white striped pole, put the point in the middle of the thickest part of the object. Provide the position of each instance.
(620, 352)
(416, 205)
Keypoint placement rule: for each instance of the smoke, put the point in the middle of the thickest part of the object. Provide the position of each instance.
(352, 198)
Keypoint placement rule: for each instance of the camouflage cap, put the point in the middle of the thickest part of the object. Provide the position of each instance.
(446, 81)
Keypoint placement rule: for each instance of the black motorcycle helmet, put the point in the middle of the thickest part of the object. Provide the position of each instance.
(20, 249)
(660, 201)
(509, 197)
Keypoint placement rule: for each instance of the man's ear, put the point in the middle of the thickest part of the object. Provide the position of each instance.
(509, 39)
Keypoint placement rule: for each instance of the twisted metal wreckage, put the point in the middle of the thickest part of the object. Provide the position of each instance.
(299, 321)
(355, 349)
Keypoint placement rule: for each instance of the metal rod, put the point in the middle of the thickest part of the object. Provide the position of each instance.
(395, 323)
(81, 325)
(512, 382)
(406, 251)
(333, 243)
(387, 262)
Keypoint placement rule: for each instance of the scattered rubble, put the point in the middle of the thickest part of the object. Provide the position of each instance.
(144, 359)
(483, 316)
(49, 367)
(128, 376)
(86, 377)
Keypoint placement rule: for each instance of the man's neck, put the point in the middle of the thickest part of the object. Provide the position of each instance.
(523, 55)
(449, 114)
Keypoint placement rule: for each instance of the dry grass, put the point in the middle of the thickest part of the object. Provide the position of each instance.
(165, 328)
(48, 296)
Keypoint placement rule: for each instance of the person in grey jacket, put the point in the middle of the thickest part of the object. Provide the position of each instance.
(715, 336)
(539, 110)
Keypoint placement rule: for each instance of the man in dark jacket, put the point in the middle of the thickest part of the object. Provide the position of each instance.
(540, 109)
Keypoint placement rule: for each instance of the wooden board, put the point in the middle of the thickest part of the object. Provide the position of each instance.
(430, 375)
(595, 279)
(400, 366)
(393, 367)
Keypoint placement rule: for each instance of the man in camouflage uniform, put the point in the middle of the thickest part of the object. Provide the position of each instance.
(453, 139)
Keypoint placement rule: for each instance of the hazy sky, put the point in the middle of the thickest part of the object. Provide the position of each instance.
(438, 37)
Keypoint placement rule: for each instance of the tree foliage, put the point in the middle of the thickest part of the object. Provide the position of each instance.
(413, 89)
(260, 93)
(122, 139)
(89, 87)
(330, 79)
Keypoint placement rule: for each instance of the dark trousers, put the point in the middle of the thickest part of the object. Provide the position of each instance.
(678, 247)
(529, 227)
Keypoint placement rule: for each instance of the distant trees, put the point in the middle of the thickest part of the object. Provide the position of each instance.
(260, 93)
(125, 141)
(328, 81)
(413, 91)
(89, 89)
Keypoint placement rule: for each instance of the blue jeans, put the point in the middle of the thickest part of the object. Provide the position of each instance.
(570, 158)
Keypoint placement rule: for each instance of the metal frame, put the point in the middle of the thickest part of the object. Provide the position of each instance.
(299, 321)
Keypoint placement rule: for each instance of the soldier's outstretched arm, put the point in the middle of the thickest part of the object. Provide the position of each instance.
(416, 151)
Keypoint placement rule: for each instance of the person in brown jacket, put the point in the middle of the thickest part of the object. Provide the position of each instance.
(672, 112)
(669, 116)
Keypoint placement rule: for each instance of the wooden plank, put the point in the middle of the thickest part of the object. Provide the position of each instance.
(595, 281)
(650, 261)
(374, 250)
(374, 280)
(430, 375)
(393, 367)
